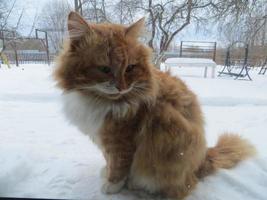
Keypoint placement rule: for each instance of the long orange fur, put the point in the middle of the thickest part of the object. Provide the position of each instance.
(152, 137)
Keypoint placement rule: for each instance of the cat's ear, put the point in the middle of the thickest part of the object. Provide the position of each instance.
(77, 26)
(135, 29)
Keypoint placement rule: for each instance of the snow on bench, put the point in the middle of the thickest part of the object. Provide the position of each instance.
(191, 62)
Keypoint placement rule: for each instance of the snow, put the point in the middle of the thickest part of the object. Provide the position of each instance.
(43, 156)
(190, 62)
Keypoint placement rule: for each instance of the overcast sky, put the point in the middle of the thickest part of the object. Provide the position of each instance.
(34, 7)
(31, 9)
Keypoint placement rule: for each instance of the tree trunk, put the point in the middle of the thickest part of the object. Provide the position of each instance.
(157, 59)
(264, 33)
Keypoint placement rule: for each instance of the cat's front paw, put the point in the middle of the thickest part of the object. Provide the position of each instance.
(111, 188)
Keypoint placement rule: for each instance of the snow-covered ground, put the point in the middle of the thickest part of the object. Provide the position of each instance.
(41, 155)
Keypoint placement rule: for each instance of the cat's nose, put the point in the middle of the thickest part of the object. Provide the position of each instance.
(112, 83)
(120, 86)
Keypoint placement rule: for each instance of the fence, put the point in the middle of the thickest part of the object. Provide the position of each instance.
(21, 50)
(29, 58)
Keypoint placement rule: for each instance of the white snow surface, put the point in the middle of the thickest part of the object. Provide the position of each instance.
(43, 156)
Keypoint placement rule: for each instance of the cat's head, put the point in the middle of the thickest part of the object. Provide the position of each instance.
(105, 60)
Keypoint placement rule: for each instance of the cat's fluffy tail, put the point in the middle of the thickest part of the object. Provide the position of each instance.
(228, 152)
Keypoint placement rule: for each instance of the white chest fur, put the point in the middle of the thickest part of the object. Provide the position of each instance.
(84, 113)
(88, 114)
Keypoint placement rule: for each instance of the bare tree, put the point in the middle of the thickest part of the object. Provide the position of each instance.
(33, 26)
(247, 23)
(6, 8)
(168, 18)
(126, 11)
(95, 10)
(9, 32)
(53, 19)
(78, 6)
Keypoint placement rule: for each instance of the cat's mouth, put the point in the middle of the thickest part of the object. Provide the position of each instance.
(107, 91)
(112, 90)
(118, 94)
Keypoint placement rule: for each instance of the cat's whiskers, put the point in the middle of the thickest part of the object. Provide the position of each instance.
(86, 87)
(142, 90)
(129, 100)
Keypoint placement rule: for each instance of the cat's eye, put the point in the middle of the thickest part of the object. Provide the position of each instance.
(130, 68)
(104, 69)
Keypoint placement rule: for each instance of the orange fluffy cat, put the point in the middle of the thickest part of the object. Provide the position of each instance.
(148, 124)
